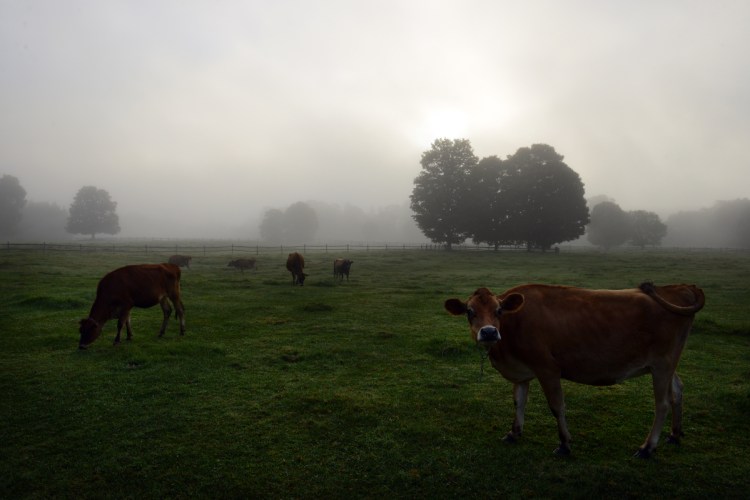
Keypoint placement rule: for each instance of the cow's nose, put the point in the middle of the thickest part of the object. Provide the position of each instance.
(488, 335)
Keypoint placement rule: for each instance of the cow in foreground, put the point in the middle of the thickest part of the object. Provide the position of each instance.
(594, 337)
(341, 267)
(143, 285)
(180, 260)
(243, 264)
(295, 264)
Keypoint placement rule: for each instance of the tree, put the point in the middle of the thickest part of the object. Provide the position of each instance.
(272, 226)
(646, 228)
(545, 197)
(439, 195)
(489, 204)
(92, 212)
(610, 225)
(300, 223)
(12, 202)
(297, 224)
(43, 221)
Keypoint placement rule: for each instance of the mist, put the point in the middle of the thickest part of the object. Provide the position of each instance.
(198, 118)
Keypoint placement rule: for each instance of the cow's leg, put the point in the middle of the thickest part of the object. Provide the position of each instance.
(167, 310)
(123, 320)
(520, 397)
(180, 313)
(556, 401)
(676, 400)
(128, 327)
(662, 382)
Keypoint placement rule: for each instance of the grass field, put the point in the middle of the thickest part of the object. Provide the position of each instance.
(363, 389)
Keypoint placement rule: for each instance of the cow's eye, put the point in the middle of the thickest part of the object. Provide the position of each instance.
(498, 311)
(471, 314)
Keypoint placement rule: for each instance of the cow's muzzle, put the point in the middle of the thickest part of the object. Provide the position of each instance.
(488, 335)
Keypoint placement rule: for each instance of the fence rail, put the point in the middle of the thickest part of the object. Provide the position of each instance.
(206, 249)
(191, 248)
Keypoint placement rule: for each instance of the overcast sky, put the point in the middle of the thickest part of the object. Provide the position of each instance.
(212, 111)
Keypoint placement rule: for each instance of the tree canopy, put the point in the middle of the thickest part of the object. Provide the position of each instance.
(610, 225)
(440, 191)
(298, 223)
(92, 212)
(531, 198)
(12, 202)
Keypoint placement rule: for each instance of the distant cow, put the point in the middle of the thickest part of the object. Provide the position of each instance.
(295, 263)
(243, 264)
(143, 285)
(595, 337)
(181, 260)
(341, 267)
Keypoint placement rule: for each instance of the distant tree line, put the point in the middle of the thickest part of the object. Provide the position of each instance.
(531, 198)
(611, 226)
(726, 224)
(92, 212)
(319, 221)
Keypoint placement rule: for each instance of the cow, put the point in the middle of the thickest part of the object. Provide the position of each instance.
(594, 337)
(295, 264)
(141, 285)
(243, 264)
(180, 260)
(341, 267)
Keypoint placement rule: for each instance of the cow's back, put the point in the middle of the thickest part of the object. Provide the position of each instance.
(295, 262)
(141, 285)
(593, 336)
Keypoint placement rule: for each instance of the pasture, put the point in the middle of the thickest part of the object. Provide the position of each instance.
(361, 389)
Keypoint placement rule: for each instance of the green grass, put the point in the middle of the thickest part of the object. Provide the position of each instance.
(363, 389)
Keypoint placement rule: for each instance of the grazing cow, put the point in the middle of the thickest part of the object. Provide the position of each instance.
(341, 267)
(594, 337)
(181, 260)
(295, 263)
(243, 264)
(143, 285)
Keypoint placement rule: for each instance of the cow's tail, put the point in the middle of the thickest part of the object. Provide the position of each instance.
(650, 289)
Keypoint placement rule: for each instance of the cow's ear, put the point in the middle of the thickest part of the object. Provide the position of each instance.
(512, 303)
(455, 307)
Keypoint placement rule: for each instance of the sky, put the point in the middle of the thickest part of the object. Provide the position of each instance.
(201, 115)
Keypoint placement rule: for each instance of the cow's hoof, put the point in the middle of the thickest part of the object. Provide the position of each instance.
(510, 438)
(675, 440)
(643, 453)
(562, 451)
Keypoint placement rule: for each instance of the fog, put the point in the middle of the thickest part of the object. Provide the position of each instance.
(197, 117)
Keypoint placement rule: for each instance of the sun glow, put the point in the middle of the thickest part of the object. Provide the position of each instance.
(441, 123)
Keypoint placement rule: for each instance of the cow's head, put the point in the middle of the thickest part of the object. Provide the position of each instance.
(301, 278)
(90, 330)
(483, 310)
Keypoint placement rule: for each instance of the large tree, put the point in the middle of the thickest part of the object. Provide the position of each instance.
(546, 197)
(490, 205)
(440, 191)
(92, 212)
(646, 228)
(12, 202)
(610, 225)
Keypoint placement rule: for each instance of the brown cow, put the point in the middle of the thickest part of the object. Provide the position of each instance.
(595, 337)
(341, 267)
(295, 263)
(143, 285)
(243, 264)
(180, 260)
